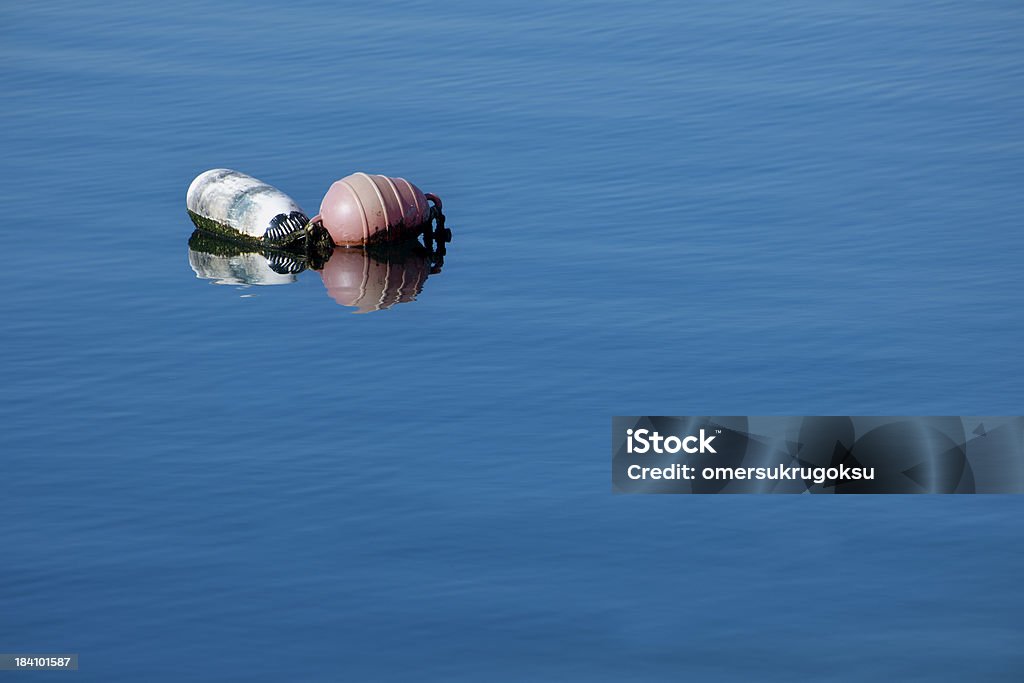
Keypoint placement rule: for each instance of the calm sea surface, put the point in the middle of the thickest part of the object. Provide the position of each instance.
(660, 208)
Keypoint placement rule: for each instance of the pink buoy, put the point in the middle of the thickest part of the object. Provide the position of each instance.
(363, 209)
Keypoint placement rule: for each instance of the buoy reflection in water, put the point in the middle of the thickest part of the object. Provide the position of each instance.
(365, 279)
(373, 280)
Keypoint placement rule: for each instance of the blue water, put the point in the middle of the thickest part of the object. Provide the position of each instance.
(666, 208)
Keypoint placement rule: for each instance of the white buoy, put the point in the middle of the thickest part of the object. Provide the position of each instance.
(237, 205)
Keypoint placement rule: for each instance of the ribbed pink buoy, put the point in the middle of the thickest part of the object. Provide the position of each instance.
(363, 209)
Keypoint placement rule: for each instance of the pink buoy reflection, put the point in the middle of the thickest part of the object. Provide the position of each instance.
(370, 281)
